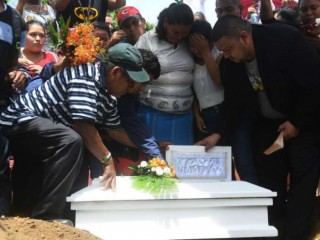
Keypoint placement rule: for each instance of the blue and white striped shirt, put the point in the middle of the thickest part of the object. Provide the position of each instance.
(76, 93)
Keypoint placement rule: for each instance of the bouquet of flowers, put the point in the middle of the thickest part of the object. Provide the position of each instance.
(154, 176)
(78, 44)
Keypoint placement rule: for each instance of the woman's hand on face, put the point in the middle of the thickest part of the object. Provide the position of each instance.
(200, 43)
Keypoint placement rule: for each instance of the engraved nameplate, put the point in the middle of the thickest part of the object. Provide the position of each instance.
(192, 162)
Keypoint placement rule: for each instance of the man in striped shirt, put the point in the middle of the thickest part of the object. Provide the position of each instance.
(50, 127)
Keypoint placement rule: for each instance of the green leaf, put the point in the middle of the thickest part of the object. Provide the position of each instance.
(68, 22)
(155, 185)
(132, 167)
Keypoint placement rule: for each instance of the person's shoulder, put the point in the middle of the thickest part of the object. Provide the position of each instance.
(150, 34)
(11, 8)
(146, 38)
(276, 26)
(16, 14)
(276, 31)
(13, 11)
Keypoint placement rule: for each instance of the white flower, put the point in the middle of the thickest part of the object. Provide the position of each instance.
(166, 170)
(143, 164)
(159, 171)
(153, 169)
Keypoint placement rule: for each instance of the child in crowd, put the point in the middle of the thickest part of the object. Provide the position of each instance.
(32, 56)
(39, 11)
(310, 14)
(207, 85)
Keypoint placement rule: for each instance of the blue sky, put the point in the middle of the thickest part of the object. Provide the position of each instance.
(150, 9)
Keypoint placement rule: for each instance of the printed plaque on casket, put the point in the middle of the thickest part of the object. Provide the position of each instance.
(193, 162)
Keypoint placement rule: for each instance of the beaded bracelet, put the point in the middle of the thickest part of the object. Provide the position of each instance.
(106, 159)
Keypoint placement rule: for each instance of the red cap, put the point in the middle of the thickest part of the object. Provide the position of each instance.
(127, 12)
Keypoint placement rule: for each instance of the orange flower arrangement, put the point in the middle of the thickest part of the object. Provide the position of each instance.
(82, 45)
(79, 44)
(157, 162)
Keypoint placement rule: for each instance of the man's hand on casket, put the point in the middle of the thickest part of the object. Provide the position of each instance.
(109, 175)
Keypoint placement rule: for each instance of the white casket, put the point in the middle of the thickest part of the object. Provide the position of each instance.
(198, 210)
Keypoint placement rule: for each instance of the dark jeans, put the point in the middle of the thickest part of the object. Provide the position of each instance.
(5, 188)
(213, 121)
(241, 142)
(90, 163)
(292, 209)
(96, 169)
(48, 157)
(212, 118)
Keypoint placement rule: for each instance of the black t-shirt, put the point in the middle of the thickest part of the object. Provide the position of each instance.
(78, 14)
(8, 50)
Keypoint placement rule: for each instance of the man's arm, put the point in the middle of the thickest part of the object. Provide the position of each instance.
(20, 6)
(306, 80)
(201, 126)
(136, 128)
(94, 144)
(266, 12)
(115, 4)
(121, 137)
(52, 68)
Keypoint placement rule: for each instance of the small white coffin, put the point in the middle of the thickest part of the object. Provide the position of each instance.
(198, 210)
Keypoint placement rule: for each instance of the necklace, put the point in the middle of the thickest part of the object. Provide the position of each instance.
(86, 16)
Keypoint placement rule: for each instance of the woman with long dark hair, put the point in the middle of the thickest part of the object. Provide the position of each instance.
(166, 103)
(32, 55)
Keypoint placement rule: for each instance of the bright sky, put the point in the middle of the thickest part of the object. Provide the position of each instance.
(150, 9)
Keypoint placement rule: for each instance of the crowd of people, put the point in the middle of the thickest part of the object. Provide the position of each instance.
(243, 82)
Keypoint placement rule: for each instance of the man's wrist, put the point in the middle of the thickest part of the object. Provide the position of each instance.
(106, 159)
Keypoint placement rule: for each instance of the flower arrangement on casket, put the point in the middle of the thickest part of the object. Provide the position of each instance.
(78, 44)
(154, 176)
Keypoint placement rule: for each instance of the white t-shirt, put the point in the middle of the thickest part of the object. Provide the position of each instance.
(172, 91)
(208, 93)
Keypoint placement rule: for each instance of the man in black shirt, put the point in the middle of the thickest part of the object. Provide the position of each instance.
(262, 72)
(11, 79)
(86, 10)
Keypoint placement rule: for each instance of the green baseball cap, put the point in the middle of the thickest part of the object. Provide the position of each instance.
(129, 58)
